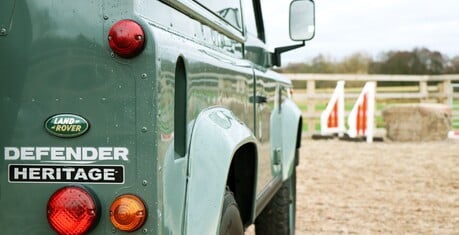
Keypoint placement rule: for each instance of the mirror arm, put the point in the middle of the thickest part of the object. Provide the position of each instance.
(276, 56)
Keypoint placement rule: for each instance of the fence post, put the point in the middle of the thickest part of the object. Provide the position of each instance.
(311, 90)
(444, 90)
(423, 91)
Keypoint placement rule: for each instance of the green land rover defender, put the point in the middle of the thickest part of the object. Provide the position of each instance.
(146, 117)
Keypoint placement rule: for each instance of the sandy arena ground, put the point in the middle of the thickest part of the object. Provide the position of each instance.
(379, 188)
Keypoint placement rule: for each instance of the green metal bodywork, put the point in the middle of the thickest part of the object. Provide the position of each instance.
(55, 59)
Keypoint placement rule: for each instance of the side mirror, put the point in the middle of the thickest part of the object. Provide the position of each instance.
(302, 27)
(302, 20)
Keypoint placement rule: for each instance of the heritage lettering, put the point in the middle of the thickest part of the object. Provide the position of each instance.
(58, 173)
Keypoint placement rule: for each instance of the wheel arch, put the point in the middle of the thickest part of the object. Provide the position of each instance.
(220, 144)
(291, 137)
(242, 181)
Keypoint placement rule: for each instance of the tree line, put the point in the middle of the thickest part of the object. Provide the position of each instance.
(419, 61)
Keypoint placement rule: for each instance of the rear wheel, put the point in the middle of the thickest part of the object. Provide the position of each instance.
(278, 217)
(231, 222)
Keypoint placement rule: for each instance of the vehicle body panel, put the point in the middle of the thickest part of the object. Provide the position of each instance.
(209, 166)
(55, 59)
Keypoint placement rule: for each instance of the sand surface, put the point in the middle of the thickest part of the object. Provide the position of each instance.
(380, 188)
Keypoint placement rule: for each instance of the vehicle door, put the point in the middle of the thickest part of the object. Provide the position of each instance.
(264, 98)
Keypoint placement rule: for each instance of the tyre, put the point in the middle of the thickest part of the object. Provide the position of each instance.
(231, 222)
(278, 217)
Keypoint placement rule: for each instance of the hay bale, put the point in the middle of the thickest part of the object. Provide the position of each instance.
(417, 122)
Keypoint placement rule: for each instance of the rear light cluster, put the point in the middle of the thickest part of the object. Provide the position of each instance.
(127, 213)
(74, 210)
(126, 38)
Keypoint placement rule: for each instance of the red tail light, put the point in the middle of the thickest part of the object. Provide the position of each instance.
(126, 38)
(72, 211)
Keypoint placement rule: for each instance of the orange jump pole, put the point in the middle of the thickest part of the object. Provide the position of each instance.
(361, 117)
(332, 118)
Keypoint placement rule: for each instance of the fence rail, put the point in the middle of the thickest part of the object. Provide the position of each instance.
(426, 89)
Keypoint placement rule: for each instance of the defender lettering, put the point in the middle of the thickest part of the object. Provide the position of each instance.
(66, 153)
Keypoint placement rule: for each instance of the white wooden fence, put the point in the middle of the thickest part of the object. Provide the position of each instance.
(427, 88)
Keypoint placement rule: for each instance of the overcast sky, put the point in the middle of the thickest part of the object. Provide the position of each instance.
(344, 27)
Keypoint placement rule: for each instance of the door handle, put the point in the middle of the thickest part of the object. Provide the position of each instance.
(258, 99)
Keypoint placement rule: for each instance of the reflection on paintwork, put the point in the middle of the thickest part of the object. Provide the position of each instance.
(220, 119)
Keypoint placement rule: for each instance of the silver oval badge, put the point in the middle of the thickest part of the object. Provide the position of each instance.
(66, 125)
